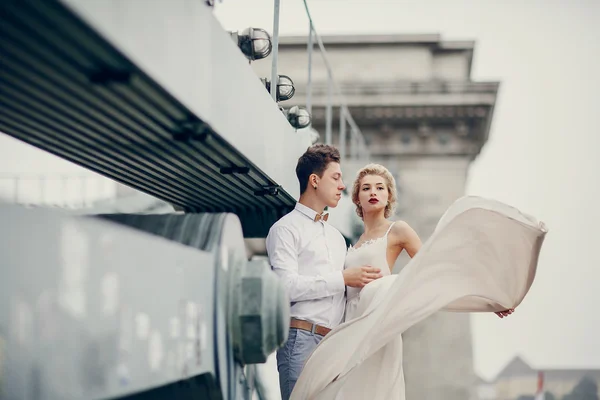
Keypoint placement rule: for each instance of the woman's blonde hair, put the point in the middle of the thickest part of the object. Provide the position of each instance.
(380, 170)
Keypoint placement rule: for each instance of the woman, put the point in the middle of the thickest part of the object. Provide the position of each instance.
(481, 257)
(374, 194)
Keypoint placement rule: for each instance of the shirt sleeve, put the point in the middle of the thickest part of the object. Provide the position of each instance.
(282, 248)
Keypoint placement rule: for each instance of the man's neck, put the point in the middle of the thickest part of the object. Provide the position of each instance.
(312, 202)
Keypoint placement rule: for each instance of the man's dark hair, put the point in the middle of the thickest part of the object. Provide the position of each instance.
(314, 161)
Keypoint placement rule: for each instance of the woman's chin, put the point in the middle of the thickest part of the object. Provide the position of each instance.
(373, 208)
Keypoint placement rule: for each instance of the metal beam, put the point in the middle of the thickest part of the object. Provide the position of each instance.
(182, 46)
(68, 90)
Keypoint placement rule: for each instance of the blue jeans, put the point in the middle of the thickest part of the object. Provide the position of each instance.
(292, 356)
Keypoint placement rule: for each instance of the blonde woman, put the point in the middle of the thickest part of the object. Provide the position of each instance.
(482, 257)
(374, 194)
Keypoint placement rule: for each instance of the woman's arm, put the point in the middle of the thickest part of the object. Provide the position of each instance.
(406, 238)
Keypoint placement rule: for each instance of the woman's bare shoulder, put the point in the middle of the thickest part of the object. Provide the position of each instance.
(400, 226)
(402, 232)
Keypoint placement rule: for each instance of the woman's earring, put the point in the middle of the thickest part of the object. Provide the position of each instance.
(315, 186)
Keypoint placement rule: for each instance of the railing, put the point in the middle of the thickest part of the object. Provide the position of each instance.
(350, 135)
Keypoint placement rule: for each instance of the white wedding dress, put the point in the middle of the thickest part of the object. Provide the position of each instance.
(373, 253)
(482, 257)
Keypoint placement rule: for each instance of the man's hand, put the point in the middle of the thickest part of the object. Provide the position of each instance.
(360, 276)
(505, 313)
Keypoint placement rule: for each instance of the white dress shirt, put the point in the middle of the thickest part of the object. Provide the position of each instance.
(309, 258)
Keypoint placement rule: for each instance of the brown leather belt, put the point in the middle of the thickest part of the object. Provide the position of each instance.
(308, 326)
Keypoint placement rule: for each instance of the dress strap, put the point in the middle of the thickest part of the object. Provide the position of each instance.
(390, 228)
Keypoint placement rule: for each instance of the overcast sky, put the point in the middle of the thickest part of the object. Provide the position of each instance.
(541, 156)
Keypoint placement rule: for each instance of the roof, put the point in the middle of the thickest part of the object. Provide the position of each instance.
(401, 39)
(518, 367)
(433, 40)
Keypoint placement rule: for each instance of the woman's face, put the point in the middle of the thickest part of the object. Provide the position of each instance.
(373, 193)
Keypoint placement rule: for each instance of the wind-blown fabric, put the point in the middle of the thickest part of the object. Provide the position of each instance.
(482, 257)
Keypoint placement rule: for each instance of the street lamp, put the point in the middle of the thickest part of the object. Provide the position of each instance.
(255, 43)
(298, 117)
(285, 87)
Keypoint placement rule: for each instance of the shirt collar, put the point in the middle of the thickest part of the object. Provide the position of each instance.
(309, 212)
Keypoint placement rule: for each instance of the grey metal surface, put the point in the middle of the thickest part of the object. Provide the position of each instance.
(262, 313)
(90, 309)
(151, 305)
(250, 309)
(69, 91)
(181, 45)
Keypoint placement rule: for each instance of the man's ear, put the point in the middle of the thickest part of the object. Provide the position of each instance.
(313, 180)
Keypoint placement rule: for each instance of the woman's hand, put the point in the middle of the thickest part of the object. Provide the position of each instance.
(505, 313)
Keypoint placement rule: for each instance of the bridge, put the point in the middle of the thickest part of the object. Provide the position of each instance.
(141, 306)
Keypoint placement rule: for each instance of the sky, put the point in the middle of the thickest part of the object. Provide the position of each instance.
(541, 155)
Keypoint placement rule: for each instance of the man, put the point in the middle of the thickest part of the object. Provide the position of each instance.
(308, 255)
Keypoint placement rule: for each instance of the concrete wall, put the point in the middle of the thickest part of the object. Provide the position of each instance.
(410, 62)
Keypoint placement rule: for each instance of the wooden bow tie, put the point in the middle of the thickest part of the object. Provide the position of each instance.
(323, 217)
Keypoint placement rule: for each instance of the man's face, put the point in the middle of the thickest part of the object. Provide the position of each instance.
(330, 185)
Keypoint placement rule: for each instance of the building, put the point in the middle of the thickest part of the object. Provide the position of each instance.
(519, 378)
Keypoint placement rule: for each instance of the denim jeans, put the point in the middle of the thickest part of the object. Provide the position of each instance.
(292, 356)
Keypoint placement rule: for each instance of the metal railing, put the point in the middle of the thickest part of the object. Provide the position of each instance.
(352, 142)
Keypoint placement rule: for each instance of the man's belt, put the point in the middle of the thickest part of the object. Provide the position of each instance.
(307, 326)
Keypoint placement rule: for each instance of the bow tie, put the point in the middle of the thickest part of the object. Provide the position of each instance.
(323, 217)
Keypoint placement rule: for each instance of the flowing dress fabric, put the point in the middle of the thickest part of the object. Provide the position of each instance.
(482, 257)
